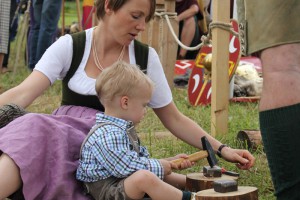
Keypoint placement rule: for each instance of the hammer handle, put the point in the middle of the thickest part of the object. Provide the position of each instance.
(192, 157)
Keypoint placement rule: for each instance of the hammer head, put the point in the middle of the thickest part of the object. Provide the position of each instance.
(212, 160)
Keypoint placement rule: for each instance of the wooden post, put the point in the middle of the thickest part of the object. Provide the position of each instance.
(79, 14)
(158, 36)
(63, 18)
(220, 78)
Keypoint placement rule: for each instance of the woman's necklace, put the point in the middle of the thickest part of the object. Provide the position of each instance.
(95, 54)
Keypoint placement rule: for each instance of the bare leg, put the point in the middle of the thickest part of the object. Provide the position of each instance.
(177, 180)
(281, 73)
(279, 121)
(144, 181)
(10, 180)
(187, 34)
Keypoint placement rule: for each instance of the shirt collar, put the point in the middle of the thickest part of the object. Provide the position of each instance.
(101, 117)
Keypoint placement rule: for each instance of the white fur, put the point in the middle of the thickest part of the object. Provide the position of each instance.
(248, 79)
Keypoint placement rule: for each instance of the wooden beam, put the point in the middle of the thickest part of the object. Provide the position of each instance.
(158, 36)
(79, 14)
(63, 18)
(220, 78)
(160, 2)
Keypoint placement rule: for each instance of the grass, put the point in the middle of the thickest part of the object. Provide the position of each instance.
(70, 13)
(241, 116)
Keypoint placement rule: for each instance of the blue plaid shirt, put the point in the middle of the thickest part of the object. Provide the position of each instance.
(108, 152)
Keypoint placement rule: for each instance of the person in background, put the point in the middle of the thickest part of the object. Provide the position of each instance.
(13, 27)
(4, 30)
(276, 38)
(41, 152)
(43, 27)
(113, 163)
(189, 34)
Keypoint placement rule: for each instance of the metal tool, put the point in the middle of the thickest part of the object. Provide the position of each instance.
(229, 173)
(207, 152)
(224, 186)
(217, 171)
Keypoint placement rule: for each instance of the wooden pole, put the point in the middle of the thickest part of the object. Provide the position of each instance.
(79, 14)
(220, 78)
(20, 40)
(63, 18)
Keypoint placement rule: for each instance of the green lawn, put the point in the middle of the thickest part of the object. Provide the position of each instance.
(70, 13)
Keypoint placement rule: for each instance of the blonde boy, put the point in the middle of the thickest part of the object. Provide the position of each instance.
(113, 164)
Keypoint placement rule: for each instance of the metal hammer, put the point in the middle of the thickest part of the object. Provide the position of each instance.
(207, 152)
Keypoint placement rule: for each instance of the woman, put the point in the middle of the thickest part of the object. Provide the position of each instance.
(41, 151)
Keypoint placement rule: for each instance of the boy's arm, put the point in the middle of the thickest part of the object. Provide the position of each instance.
(114, 153)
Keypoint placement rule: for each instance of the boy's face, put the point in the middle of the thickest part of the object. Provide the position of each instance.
(137, 104)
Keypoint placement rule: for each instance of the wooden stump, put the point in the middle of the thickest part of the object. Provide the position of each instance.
(197, 181)
(249, 139)
(244, 192)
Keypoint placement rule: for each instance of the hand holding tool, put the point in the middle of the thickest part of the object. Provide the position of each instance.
(207, 152)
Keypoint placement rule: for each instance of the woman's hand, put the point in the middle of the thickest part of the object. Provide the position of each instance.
(243, 158)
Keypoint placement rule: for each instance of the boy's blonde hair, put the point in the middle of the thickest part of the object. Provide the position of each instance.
(121, 79)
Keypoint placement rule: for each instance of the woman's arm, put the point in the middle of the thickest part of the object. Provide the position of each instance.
(54, 64)
(193, 10)
(190, 132)
(27, 91)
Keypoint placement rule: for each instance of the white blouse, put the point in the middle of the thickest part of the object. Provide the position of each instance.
(57, 59)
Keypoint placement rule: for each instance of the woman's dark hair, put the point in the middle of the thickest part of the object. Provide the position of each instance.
(115, 5)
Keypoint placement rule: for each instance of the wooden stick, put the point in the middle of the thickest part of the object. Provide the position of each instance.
(78, 15)
(63, 18)
(24, 30)
(193, 157)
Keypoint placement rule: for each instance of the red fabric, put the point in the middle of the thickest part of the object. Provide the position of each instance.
(86, 12)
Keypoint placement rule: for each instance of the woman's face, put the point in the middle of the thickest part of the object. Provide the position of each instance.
(127, 22)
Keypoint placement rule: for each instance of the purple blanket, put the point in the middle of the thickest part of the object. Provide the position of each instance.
(46, 149)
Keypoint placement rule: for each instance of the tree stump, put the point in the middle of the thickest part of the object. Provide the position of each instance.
(244, 192)
(249, 139)
(197, 181)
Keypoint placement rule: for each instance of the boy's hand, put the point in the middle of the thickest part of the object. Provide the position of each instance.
(184, 164)
(167, 166)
